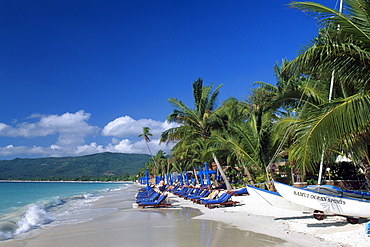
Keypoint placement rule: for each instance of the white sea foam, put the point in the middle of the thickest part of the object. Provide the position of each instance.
(33, 218)
(52, 211)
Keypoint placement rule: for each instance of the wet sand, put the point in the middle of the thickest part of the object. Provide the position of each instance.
(124, 225)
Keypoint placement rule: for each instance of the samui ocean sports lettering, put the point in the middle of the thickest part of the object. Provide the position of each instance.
(319, 198)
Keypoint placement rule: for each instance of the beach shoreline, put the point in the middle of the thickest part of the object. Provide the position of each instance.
(293, 226)
(252, 221)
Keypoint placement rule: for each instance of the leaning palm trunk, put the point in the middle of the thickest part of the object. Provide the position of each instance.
(249, 175)
(195, 175)
(228, 186)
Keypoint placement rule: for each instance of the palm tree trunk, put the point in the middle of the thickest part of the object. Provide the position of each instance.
(195, 175)
(228, 186)
(250, 179)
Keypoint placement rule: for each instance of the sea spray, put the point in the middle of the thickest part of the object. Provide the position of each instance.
(33, 218)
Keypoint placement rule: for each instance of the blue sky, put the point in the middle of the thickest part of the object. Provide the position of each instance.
(80, 77)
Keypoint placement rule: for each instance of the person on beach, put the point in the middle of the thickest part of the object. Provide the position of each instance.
(162, 186)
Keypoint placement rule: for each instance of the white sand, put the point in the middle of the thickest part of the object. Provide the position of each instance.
(293, 226)
(123, 225)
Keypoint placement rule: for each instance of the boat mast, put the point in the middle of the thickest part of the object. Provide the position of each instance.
(330, 96)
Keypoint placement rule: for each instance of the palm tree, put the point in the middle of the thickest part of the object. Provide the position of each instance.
(146, 135)
(343, 46)
(195, 124)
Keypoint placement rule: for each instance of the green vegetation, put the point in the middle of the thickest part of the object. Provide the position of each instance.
(96, 167)
(319, 107)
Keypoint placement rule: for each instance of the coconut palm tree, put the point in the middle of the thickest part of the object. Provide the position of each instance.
(195, 125)
(146, 133)
(342, 46)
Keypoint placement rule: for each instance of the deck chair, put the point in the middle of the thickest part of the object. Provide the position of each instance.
(175, 188)
(160, 202)
(195, 192)
(211, 195)
(222, 200)
(179, 191)
(188, 192)
(152, 197)
(242, 191)
(202, 194)
(144, 194)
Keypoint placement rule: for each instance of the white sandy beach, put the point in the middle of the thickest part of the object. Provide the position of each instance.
(182, 225)
(294, 226)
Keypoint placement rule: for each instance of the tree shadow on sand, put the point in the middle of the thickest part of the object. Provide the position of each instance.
(325, 223)
(294, 218)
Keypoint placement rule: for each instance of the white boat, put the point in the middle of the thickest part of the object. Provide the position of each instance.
(275, 199)
(328, 199)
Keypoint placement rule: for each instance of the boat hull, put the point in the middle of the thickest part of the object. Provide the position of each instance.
(323, 202)
(275, 199)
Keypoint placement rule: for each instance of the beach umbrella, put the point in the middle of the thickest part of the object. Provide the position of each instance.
(200, 173)
(186, 178)
(206, 171)
(147, 180)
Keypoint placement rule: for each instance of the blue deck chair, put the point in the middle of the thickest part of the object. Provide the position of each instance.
(186, 193)
(152, 197)
(145, 194)
(204, 193)
(195, 192)
(160, 202)
(223, 200)
(242, 191)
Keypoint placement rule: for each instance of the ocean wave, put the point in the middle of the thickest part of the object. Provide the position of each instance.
(34, 217)
(55, 210)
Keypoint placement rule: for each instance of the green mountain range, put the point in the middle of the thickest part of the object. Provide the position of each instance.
(102, 166)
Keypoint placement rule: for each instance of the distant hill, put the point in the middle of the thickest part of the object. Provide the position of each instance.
(73, 168)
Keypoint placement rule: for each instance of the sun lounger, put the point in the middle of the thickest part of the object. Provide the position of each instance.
(212, 195)
(242, 191)
(195, 192)
(175, 188)
(189, 192)
(152, 197)
(145, 194)
(223, 200)
(160, 202)
(202, 194)
(179, 191)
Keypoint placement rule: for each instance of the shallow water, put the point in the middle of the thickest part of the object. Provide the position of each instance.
(25, 206)
(112, 221)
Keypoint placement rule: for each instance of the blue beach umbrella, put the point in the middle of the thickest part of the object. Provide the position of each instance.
(206, 171)
(147, 180)
(200, 173)
(186, 178)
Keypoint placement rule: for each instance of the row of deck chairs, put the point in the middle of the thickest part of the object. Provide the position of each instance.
(151, 198)
(207, 197)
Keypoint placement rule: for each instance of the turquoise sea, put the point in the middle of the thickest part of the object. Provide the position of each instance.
(25, 206)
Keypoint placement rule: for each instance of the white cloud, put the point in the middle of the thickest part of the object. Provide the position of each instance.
(69, 126)
(126, 126)
(72, 129)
